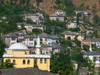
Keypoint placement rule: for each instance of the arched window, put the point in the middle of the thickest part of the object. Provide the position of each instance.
(24, 61)
(41, 60)
(28, 61)
(45, 60)
(14, 61)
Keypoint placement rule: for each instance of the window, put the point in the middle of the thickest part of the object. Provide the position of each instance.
(30, 43)
(28, 61)
(13, 38)
(24, 61)
(31, 39)
(46, 52)
(41, 60)
(13, 61)
(45, 39)
(45, 60)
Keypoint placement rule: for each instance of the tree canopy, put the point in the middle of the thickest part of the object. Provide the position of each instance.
(61, 61)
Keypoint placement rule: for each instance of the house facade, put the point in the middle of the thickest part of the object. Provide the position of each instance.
(91, 41)
(55, 17)
(28, 40)
(34, 17)
(73, 35)
(19, 36)
(71, 25)
(30, 27)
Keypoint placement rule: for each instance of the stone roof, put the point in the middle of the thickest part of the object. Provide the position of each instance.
(83, 70)
(92, 40)
(25, 71)
(55, 15)
(79, 11)
(54, 37)
(13, 35)
(92, 53)
(29, 14)
(44, 35)
(33, 25)
(71, 33)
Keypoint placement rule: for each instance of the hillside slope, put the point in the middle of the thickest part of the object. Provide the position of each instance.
(90, 3)
(46, 5)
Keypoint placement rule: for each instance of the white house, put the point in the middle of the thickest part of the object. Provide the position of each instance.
(71, 25)
(83, 13)
(91, 56)
(60, 13)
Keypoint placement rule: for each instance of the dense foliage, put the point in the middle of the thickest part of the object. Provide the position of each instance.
(61, 61)
(6, 65)
(35, 31)
(2, 46)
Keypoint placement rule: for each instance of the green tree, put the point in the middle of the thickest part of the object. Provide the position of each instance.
(22, 2)
(77, 42)
(86, 47)
(68, 3)
(91, 66)
(87, 7)
(58, 61)
(11, 2)
(37, 31)
(2, 2)
(69, 38)
(94, 11)
(94, 46)
(95, 34)
(27, 2)
(82, 5)
(94, 6)
(78, 15)
(56, 30)
(38, 1)
(30, 21)
(48, 30)
(77, 57)
(57, 1)
(96, 18)
(7, 64)
(2, 46)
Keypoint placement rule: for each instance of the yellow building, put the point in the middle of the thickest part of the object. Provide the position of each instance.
(20, 55)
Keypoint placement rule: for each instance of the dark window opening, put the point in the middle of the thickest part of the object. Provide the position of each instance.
(41, 60)
(45, 60)
(28, 61)
(13, 61)
(23, 61)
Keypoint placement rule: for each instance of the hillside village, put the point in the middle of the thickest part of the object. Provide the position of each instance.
(64, 42)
